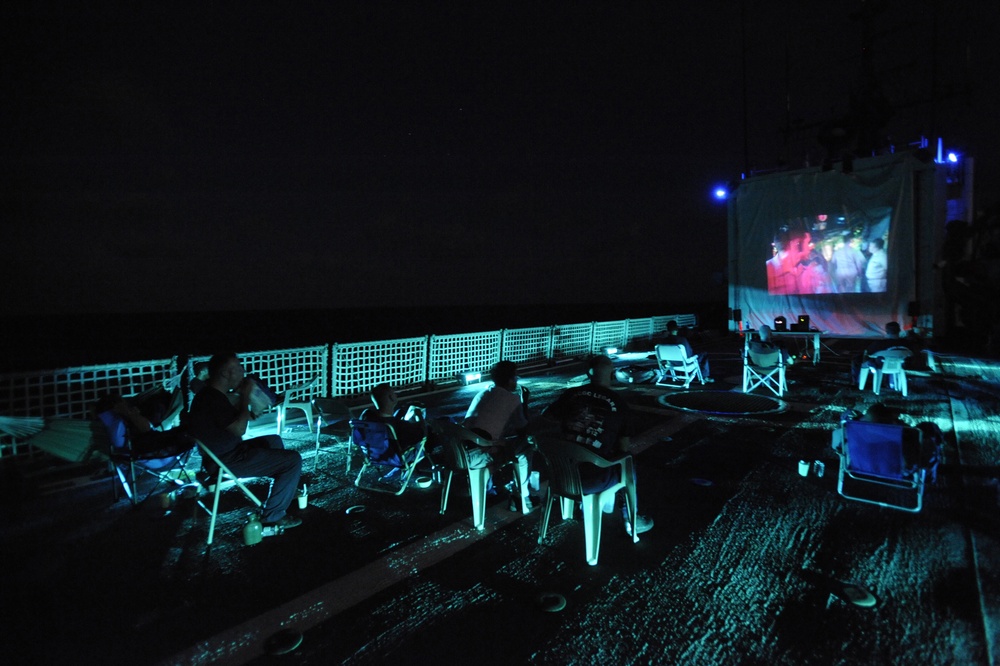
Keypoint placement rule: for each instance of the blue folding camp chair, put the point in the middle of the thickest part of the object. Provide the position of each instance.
(381, 450)
(881, 464)
(130, 466)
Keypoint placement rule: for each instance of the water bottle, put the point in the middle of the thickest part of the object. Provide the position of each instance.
(253, 530)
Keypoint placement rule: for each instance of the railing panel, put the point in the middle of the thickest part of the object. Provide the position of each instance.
(609, 334)
(70, 392)
(570, 340)
(283, 368)
(527, 344)
(452, 354)
(639, 329)
(357, 367)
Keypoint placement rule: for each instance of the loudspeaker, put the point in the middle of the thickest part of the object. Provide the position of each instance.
(802, 326)
(737, 315)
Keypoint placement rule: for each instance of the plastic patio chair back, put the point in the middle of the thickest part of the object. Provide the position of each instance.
(454, 439)
(892, 361)
(304, 406)
(676, 365)
(563, 460)
(874, 466)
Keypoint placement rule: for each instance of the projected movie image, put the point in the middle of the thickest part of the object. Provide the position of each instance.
(831, 254)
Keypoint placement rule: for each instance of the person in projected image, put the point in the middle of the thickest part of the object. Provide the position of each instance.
(598, 418)
(877, 267)
(815, 278)
(848, 266)
(785, 266)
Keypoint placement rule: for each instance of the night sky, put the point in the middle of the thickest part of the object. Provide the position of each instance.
(212, 156)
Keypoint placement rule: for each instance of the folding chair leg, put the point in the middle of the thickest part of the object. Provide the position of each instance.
(445, 491)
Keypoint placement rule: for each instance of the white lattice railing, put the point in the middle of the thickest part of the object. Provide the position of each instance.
(342, 369)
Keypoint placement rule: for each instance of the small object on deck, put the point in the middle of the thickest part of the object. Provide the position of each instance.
(551, 602)
(803, 468)
(705, 483)
(857, 595)
(819, 468)
(283, 642)
(357, 508)
(424, 481)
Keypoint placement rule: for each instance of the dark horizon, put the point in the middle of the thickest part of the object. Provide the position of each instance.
(253, 157)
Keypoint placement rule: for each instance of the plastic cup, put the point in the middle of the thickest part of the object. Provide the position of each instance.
(803, 468)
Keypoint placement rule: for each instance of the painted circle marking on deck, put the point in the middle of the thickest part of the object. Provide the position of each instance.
(357, 508)
(551, 602)
(283, 642)
(705, 483)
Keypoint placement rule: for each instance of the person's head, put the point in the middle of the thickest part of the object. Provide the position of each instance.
(600, 369)
(504, 375)
(881, 413)
(385, 399)
(876, 244)
(672, 327)
(201, 371)
(765, 333)
(225, 371)
(892, 329)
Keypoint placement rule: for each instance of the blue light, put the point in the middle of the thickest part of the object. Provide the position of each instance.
(721, 193)
(953, 157)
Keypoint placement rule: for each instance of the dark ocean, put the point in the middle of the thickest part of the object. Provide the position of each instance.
(56, 341)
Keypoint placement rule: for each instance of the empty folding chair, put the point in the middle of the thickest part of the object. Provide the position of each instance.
(304, 406)
(564, 459)
(382, 452)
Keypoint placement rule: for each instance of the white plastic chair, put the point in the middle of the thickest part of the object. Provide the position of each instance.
(286, 403)
(676, 365)
(892, 365)
(455, 459)
(564, 458)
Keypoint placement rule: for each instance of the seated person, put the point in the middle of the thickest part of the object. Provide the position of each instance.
(765, 344)
(932, 442)
(598, 418)
(674, 338)
(499, 413)
(409, 425)
(891, 339)
(220, 425)
(129, 429)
